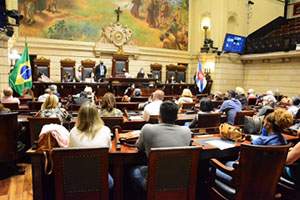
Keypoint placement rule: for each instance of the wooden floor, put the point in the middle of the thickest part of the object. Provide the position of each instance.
(17, 187)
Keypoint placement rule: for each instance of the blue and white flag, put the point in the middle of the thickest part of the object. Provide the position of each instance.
(200, 78)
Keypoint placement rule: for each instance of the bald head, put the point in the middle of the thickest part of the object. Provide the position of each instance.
(47, 90)
(8, 92)
(158, 95)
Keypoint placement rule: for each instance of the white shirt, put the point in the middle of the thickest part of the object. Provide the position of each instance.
(43, 97)
(152, 109)
(101, 139)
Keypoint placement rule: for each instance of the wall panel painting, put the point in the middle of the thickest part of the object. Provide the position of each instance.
(154, 23)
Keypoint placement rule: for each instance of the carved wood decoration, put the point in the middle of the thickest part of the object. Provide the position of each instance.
(119, 62)
(41, 65)
(88, 66)
(67, 65)
(179, 72)
(156, 70)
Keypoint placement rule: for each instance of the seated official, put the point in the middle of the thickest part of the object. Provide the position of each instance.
(108, 106)
(231, 106)
(206, 107)
(268, 103)
(43, 78)
(27, 94)
(274, 124)
(8, 96)
(67, 77)
(165, 134)
(172, 80)
(50, 108)
(153, 107)
(89, 131)
(141, 73)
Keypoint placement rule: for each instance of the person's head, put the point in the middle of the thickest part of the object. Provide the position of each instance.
(88, 90)
(48, 91)
(269, 100)
(219, 95)
(296, 100)
(278, 120)
(269, 92)
(27, 91)
(50, 102)
(230, 94)
(161, 37)
(239, 90)
(206, 105)
(137, 92)
(40, 75)
(101, 62)
(251, 92)
(53, 89)
(158, 95)
(8, 92)
(141, 70)
(68, 74)
(108, 102)
(168, 112)
(88, 120)
(186, 93)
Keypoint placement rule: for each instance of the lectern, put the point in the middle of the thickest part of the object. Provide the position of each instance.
(119, 62)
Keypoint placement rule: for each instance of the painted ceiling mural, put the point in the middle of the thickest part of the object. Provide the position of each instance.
(154, 23)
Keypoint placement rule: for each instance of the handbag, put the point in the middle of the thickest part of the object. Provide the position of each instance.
(230, 132)
(253, 125)
(46, 144)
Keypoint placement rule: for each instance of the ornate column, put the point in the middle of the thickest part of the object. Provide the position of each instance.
(4, 62)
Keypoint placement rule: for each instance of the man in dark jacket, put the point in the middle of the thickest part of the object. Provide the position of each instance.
(100, 72)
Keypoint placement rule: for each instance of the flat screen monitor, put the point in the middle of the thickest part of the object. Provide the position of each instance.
(3, 17)
(233, 43)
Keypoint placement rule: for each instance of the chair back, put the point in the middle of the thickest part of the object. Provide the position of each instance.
(11, 106)
(252, 101)
(153, 119)
(188, 105)
(35, 105)
(75, 107)
(209, 120)
(127, 105)
(36, 124)
(24, 101)
(172, 173)
(8, 136)
(111, 122)
(259, 170)
(240, 117)
(139, 99)
(168, 98)
(81, 173)
(217, 103)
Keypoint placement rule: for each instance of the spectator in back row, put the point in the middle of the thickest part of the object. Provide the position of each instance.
(8, 96)
(153, 107)
(240, 95)
(27, 94)
(186, 97)
(82, 98)
(108, 106)
(293, 109)
(268, 103)
(44, 96)
(206, 106)
(251, 94)
(89, 131)
(231, 106)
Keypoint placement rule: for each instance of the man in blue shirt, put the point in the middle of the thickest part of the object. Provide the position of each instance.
(231, 106)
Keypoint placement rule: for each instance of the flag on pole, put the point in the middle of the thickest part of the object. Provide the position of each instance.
(21, 75)
(200, 78)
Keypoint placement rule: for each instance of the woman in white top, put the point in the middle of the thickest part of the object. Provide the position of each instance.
(89, 131)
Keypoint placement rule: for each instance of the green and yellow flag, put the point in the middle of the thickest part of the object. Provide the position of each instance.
(21, 75)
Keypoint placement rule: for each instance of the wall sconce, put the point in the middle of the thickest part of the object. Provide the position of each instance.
(209, 67)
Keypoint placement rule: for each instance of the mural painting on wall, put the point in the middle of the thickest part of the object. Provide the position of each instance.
(154, 23)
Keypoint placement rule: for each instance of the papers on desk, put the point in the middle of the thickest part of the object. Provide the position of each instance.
(135, 118)
(254, 137)
(220, 144)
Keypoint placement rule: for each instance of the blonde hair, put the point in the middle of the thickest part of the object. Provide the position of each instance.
(280, 119)
(8, 92)
(51, 102)
(108, 102)
(186, 93)
(88, 120)
(239, 90)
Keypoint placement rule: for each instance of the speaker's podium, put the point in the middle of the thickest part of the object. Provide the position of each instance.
(119, 63)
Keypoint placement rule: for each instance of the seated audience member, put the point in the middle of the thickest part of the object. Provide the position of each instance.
(43, 78)
(108, 106)
(89, 131)
(268, 103)
(50, 109)
(27, 94)
(274, 123)
(53, 89)
(270, 93)
(8, 96)
(165, 134)
(143, 105)
(240, 95)
(206, 106)
(219, 96)
(82, 98)
(231, 106)
(44, 96)
(67, 77)
(186, 97)
(294, 107)
(251, 94)
(153, 107)
(137, 92)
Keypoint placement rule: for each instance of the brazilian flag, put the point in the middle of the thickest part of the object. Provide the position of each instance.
(21, 75)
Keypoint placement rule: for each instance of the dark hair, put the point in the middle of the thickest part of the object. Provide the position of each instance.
(206, 105)
(83, 94)
(231, 93)
(168, 112)
(296, 101)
